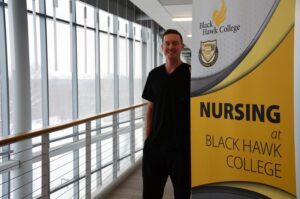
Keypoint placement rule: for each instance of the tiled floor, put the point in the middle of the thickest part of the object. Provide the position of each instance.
(132, 188)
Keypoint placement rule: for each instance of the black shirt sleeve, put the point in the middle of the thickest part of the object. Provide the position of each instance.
(148, 91)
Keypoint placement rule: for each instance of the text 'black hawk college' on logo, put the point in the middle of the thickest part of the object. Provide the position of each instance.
(208, 53)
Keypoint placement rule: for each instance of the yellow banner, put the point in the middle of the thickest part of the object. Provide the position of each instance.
(242, 129)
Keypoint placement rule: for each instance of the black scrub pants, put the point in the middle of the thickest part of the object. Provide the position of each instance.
(158, 165)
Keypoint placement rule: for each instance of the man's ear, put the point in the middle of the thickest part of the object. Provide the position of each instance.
(182, 46)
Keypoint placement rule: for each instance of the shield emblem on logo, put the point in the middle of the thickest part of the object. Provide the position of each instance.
(208, 53)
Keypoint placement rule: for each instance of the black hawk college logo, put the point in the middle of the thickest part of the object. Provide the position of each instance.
(208, 53)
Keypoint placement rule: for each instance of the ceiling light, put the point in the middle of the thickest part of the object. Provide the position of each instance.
(182, 19)
(189, 35)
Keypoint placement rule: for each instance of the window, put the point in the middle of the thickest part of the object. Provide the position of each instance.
(49, 7)
(35, 70)
(10, 81)
(123, 27)
(90, 18)
(63, 10)
(123, 73)
(106, 21)
(30, 5)
(86, 72)
(137, 70)
(137, 31)
(60, 82)
(107, 75)
(80, 12)
(107, 72)
(149, 59)
(138, 84)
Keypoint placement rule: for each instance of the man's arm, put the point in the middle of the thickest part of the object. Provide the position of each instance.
(149, 114)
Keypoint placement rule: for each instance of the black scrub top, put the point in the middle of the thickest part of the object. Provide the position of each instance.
(170, 94)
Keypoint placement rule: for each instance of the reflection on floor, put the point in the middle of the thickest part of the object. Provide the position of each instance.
(132, 188)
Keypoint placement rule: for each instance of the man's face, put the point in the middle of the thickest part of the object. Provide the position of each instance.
(172, 46)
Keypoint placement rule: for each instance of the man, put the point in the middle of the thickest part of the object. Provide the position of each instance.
(167, 146)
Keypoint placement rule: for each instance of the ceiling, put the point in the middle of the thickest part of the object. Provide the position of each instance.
(162, 11)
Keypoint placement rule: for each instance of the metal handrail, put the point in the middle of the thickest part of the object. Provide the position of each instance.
(35, 133)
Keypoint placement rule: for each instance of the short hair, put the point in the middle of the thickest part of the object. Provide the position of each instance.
(172, 31)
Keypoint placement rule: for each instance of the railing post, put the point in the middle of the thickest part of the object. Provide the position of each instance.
(115, 146)
(132, 135)
(144, 110)
(88, 142)
(45, 167)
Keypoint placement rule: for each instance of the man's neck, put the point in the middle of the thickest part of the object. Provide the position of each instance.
(171, 65)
